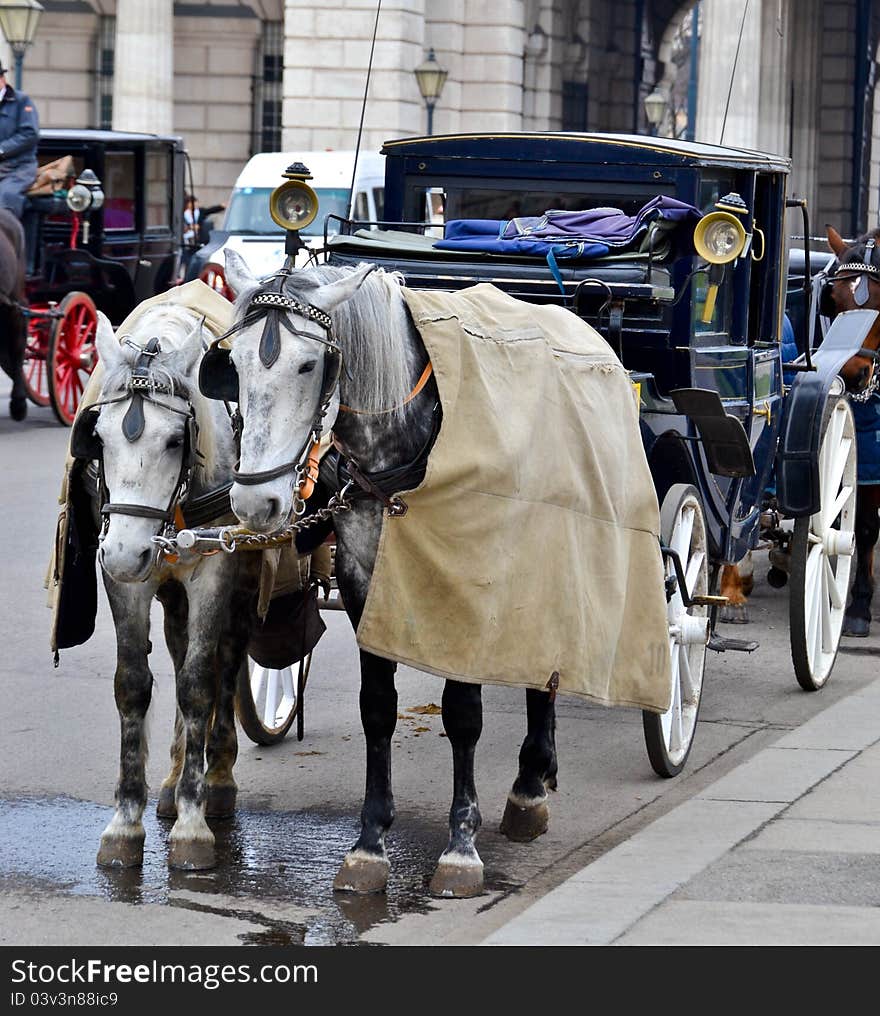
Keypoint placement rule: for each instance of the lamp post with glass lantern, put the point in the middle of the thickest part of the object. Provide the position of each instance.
(655, 110)
(18, 21)
(431, 78)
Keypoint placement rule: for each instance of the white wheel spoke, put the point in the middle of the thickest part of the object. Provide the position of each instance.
(830, 485)
(839, 504)
(694, 567)
(825, 603)
(271, 708)
(837, 600)
(686, 679)
(259, 680)
(684, 534)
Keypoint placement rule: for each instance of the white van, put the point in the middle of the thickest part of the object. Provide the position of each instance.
(248, 227)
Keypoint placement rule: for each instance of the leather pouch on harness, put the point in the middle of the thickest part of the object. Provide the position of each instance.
(76, 548)
(290, 630)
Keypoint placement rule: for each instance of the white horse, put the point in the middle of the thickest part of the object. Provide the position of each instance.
(162, 447)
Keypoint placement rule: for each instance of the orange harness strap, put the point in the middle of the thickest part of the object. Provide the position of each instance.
(420, 384)
(313, 463)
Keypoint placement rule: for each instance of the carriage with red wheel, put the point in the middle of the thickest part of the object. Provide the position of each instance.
(103, 227)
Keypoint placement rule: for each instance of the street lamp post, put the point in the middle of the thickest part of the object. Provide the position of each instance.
(655, 110)
(431, 78)
(18, 21)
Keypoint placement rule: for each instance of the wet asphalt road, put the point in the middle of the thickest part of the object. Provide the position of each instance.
(299, 801)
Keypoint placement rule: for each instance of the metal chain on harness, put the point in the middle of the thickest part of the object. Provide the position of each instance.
(232, 538)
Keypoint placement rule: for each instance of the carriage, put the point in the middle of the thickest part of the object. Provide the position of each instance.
(739, 455)
(102, 229)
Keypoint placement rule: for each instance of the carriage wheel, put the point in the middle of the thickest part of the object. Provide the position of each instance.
(266, 702)
(72, 354)
(36, 374)
(821, 550)
(669, 736)
(214, 276)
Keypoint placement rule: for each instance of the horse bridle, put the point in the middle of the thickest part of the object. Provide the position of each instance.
(141, 386)
(217, 378)
(863, 269)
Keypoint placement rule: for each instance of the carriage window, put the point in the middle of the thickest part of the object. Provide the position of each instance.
(119, 191)
(158, 173)
(361, 209)
(721, 279)
(379, 202)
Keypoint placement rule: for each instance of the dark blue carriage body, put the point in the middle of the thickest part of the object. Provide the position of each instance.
(648, 302)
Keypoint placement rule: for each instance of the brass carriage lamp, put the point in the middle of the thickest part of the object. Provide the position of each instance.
(431, 78)
(293, 205)
(719, 238)
(84, 197)
(18, 21)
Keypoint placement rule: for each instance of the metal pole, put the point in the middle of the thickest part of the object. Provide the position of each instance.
(19, 60)
(692, 78)
(430, 106)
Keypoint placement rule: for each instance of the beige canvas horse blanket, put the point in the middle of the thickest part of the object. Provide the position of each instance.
(532, 546)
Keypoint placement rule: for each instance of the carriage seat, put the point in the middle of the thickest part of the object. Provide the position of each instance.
(634, 274)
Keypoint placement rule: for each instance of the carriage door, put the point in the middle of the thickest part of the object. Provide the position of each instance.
(158, 254)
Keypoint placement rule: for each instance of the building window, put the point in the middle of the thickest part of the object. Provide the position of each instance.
(267, 89)
(574, 105)
(105, 57)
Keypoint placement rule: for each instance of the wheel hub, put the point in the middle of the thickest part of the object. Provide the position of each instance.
(839, 544)
(690, 630)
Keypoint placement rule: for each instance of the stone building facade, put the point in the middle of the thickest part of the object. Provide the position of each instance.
(238, 77)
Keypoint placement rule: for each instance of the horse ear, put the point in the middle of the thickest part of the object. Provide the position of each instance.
(835, 241)
(109, 350)
(238, 276)
(334, 293)
(188, 354)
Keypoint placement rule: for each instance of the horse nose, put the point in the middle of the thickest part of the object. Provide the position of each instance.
(259, 513)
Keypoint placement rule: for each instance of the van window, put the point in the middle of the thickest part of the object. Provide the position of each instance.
(361, 209)
(248, 211)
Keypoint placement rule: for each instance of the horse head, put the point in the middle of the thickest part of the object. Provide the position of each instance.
(855, 285)
(143, 431)
(287, 391)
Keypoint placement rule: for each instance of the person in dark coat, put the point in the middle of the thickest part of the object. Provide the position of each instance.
(19, 133)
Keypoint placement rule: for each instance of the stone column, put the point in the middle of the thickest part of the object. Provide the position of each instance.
(143, 81)
(721, 24)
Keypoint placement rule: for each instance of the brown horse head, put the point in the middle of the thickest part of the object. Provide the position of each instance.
(855, 285)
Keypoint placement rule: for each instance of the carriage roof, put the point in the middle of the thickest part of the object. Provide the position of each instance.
(586, 147)
(85, 135)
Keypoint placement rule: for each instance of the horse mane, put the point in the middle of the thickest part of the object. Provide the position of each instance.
(171, 323)
(373, 330)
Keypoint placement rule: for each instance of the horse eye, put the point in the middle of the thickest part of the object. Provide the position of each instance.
(174, 442)
(308, 367)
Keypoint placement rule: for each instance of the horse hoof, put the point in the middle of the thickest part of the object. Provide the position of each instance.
(166, 806)
(362, 873)
(220, 802)
(524, 824)
(734, 614)
(18, 409)
(121, 851)
(856, 627)
(458, 877)
(191, 855)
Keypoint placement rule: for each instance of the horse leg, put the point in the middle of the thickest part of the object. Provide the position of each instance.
(526, 815)
(221, 789)
(122, 842)
(365, 868)
(18, 399)
(459, 871)
(174, 604)
(857, 620)
(734, 611)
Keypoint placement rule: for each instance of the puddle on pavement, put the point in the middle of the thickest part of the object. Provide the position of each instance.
(268, 864)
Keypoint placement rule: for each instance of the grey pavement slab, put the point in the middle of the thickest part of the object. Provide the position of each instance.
(816, 835)
(708, 923)
(777, 774)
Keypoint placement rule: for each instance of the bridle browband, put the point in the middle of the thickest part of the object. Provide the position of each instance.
(276, 306)
(142, 385)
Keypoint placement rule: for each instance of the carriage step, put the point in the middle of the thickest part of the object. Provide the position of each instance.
(723, 645)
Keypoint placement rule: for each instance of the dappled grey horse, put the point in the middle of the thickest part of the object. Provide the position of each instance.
(163, 448)
(330, 348)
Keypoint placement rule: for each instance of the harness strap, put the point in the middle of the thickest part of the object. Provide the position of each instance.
(420, 384)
